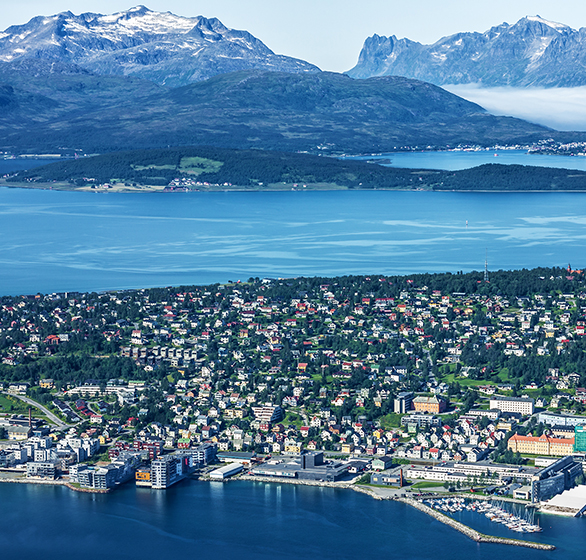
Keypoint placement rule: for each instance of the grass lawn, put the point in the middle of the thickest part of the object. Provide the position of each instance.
(425, 484)
(464, 381)
(391, 420)
(13, 405)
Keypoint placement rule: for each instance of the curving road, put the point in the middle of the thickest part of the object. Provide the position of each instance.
(55, 419)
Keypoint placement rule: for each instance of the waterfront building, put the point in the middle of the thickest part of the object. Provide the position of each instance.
(100, 478)
(41, 469)
(556, 478)
(389, 477)
(513, 404)
(542, 445)
(308, 466)
(226, 471)
(143, 477)
(169, 469)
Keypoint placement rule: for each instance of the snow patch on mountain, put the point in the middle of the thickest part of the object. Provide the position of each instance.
(161, 47)
(531, 52)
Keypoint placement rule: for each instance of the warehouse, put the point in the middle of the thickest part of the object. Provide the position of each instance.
(226, 471)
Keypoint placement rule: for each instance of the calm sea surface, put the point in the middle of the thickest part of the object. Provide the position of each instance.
(452, 161)
(57, 241)
(246, 521)
(54, 241)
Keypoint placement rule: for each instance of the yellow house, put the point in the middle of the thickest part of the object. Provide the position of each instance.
(293, 448)
(347, 448)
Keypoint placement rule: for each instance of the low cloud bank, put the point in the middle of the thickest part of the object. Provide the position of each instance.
(558, 108)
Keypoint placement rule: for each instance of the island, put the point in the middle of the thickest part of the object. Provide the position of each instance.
(220, 169)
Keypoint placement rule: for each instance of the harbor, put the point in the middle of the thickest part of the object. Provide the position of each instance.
(494, 512)
(472, 533)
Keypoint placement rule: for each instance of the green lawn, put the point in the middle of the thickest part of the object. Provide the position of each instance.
(12, 405)
(391, 420)
(464, 381)
(425, 484)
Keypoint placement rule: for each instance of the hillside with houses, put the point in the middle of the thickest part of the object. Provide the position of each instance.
(445, 367)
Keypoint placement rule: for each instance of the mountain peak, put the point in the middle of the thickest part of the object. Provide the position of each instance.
(531, 52)
(552, 24)
(158, 46)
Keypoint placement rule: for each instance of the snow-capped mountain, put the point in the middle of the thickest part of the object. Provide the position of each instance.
(161, 47)
(532, 52)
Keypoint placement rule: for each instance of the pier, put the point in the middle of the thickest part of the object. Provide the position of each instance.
(471, 533)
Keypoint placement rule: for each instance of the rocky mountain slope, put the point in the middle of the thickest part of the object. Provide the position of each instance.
(62, 106)
(161, 47)
(532, 52)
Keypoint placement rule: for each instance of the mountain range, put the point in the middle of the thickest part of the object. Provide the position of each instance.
(160, 47)
(532, 52)
(142, 79)
(47, 105)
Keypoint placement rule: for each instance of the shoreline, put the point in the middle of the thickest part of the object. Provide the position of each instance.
(446, 520)
(333, 188)
(472, 533)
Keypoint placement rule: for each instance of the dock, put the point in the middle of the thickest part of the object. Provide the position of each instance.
(472, 533)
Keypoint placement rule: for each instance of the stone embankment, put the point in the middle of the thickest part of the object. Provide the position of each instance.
(471, 533)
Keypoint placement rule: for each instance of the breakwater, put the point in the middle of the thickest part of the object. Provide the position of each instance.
(471, 533)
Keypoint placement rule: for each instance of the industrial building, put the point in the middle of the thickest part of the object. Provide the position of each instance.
(227, 470)
(308, 466)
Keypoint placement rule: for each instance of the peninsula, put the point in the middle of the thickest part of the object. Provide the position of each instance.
(213, 169)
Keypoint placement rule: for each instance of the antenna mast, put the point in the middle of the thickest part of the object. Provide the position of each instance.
(486, 266)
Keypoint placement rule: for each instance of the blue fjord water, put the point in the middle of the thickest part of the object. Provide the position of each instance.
(455, 160)
(58, 241)
(53, 241)
(246, 521)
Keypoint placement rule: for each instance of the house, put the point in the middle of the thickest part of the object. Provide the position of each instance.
(382, 463)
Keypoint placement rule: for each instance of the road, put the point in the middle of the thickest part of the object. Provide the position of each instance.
(55, 419)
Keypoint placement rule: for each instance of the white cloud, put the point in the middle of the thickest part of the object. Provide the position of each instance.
(558, 108)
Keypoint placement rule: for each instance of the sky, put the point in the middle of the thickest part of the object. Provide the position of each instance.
(328, 33)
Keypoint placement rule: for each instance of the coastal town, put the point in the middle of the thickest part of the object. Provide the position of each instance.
(450, 382)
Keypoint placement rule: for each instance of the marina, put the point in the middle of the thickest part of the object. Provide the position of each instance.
(495, 512)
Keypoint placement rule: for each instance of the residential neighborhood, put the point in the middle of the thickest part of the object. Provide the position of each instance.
(330, 371)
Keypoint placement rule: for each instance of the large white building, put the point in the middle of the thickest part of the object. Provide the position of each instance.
(513, 404)
(268, 413)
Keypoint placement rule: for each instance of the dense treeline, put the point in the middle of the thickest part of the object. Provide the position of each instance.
(77, 370)
(496, 177)
(261, 168)
(238, 167)
(508, 283)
